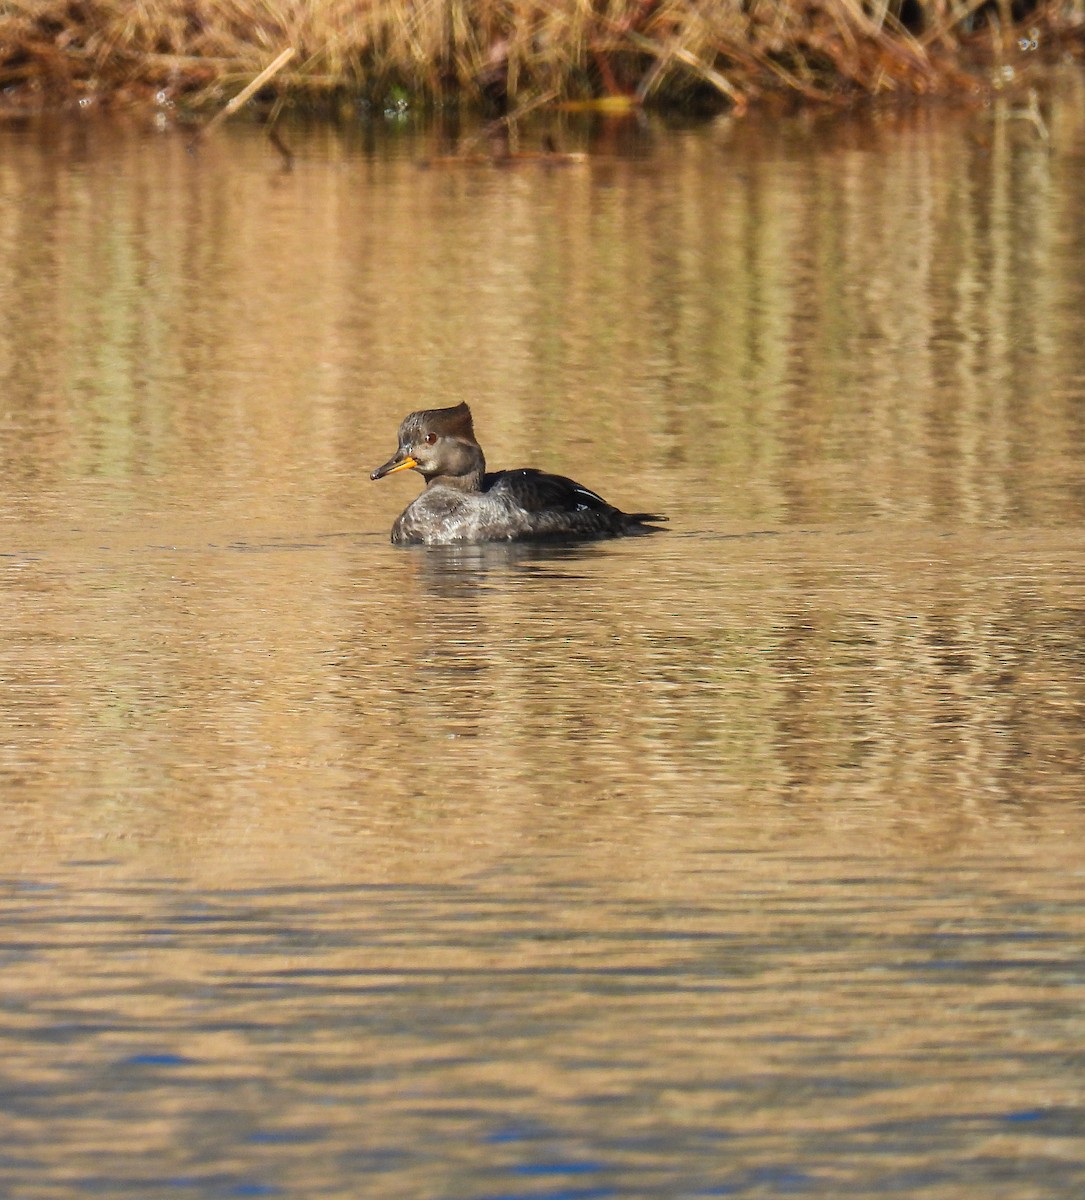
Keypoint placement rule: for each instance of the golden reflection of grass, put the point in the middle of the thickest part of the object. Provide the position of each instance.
(238, 709)
(205, 355)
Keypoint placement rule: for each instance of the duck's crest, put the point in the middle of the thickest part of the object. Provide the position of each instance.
(447, 422)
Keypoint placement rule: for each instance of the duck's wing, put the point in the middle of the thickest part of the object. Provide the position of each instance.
(539, 491)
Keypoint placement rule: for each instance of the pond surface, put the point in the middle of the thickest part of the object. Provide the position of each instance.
(747, 859)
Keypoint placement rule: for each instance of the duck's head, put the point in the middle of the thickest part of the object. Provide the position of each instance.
(438, 443)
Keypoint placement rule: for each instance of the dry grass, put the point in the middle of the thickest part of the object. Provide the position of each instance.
(656, 51)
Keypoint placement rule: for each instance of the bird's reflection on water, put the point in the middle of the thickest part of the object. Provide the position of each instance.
(461, 571)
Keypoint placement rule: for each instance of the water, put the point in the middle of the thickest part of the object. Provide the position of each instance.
(740, 860)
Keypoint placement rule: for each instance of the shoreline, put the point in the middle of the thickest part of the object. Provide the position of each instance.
(668, 55)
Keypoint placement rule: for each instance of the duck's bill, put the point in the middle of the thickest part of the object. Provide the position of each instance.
(393, 465)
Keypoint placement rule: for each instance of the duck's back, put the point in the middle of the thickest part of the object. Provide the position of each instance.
(553, 505)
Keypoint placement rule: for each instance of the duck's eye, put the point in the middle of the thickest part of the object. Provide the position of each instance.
(430, 438)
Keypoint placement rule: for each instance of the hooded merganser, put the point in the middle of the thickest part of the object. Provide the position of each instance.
(463, 502)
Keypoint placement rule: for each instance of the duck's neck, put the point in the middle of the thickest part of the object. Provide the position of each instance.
(462, 483)
(465, 470)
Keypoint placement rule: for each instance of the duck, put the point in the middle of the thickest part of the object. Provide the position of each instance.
(464, 504)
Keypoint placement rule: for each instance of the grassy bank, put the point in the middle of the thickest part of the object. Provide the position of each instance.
(495, 53)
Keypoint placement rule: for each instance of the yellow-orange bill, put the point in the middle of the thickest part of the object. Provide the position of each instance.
(390, 468)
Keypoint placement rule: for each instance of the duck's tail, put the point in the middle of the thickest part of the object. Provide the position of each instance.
(644, 522)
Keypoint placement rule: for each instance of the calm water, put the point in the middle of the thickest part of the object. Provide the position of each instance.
(742, 860)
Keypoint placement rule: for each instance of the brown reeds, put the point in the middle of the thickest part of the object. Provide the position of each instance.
(246, 93)
(730, 52)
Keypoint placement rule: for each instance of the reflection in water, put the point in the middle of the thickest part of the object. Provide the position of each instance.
(739, 860)
(461, 572)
